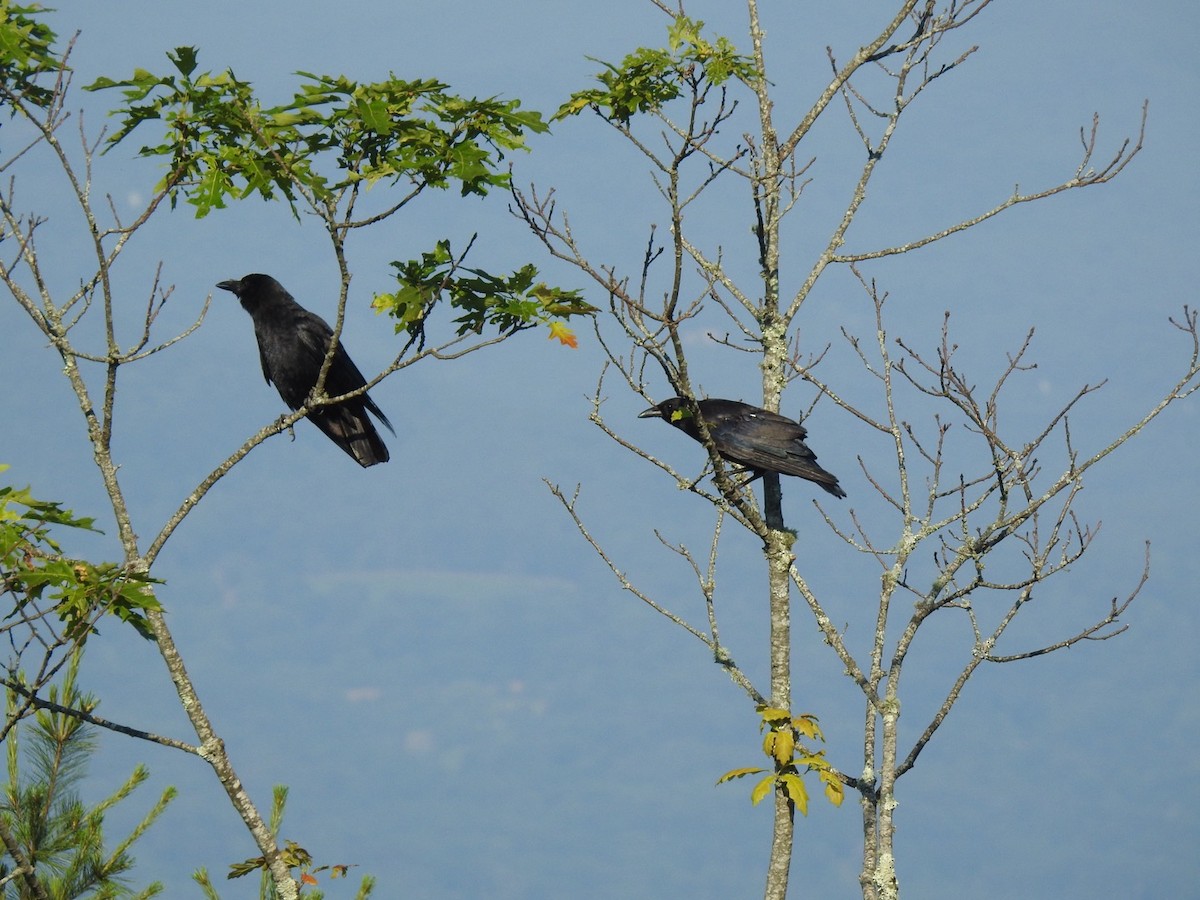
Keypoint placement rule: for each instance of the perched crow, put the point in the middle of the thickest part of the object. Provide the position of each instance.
(292, 343)
(761, 441)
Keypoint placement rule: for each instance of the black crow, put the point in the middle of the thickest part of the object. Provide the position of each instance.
(761, 441)
(292, 344)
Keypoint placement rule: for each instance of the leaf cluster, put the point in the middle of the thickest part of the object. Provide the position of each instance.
(297, 859)
(294, 857)
(34, 569)
(333, 138)
(648, 79)
(783, 743)
(222, 143)
(26, 53)
(509, 303)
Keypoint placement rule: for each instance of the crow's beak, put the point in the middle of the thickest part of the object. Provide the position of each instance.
(232, 286)
(652, 413)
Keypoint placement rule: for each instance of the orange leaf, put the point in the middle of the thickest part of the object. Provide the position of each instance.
(565, 335)
(305, 878)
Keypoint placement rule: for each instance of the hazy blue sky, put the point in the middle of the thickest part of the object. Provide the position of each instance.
(460, 697)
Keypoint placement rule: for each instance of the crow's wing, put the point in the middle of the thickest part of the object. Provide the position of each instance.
(295, 368)
(292, 345)
(767, 442)
(759, 440)
(262, 357)
(345, 377)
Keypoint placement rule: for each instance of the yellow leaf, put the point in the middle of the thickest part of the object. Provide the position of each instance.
(785, 745)
(295, 855)
(807, 726)
(793, 785)
(762, 789)
(738, 773)
(564, 335)
(576, 105)
(773, 713)
(834, 791)
(817, 761)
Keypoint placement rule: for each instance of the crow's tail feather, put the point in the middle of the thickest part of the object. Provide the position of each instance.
(350, 429)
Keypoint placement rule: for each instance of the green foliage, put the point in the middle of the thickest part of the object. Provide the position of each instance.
(295, 857)
(26, 53)
(35, 570)
(221, 142)
(334, 136)
(784, 744)
(648, 79)
(509, 303)
(47, 756)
